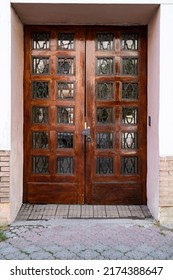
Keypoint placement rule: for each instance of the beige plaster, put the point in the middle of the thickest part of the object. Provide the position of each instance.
(166, 216)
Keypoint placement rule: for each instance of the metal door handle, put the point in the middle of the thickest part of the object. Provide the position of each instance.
(87, 133)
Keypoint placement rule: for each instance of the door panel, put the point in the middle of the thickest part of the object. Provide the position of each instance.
(85, 115)
(54, 115)
(116, 115)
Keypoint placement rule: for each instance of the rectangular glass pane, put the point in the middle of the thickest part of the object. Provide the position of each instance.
(104, 140)
(104, 165)
(40, 115)
(40, 140)
(129, 91)
(65, 90)
(40, 40)
(40, 90)
(65, 165)
(40, 164)
(105, 91)
(104, 115)
(65, 140)
(104, 66)
(66, 41)
(129, 41)
(129, 140)
(105, 41)
(40, 65)
(65, 115)
(129, 165)
(129, 115)
(66, 66)
(130, 66)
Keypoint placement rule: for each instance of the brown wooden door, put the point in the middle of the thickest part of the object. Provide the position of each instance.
(85, 115)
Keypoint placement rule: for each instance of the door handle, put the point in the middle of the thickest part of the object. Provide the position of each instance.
(87, 132)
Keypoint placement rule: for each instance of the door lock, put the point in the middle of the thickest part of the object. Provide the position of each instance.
(87, 133)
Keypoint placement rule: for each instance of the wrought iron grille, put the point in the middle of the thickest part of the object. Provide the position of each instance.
(40, 65)
(65, 139)
(40, 164)
(40, 140)
(65, 115)
(129, 41)
(40, 115)
(66, 66)
(129, 140)
(104, 165)
(66, 41)
(65, 90)
(40, 90)
(104, 66)
(65, 165)
(129, 165)
(105, 41)
(105, 91)
(41, 40)
(129, 115)
(104, 140)
(130, 66)
(104, 115)
(130, 91)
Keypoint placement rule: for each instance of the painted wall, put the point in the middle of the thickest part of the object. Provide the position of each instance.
(153, 112)
(166, 86)
(16, 159)
(5, 70)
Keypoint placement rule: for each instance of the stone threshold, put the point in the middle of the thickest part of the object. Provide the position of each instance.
(30, 212)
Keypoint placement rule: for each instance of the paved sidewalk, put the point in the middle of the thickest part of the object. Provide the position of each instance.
(90, 239)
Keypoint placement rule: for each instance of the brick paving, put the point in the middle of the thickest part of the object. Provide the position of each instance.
(87, 239)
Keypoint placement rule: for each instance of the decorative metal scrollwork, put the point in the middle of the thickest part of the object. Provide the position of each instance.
(104, 140)
(41, 40)
(104, 66)
(129, 115)
(104, 115)
(65, 140)
(66, 66)
(130, 91)
(130, 66)
(65, 90)
(129, 41)
(105, 91)
(40, 65)
(40, 114)
(66, 41)
(129, 140)
(40, 164)
(129, 165)
(65, 165)
(40, 90)
(40, 140)
(105, 41)
(65, 115)
(104, 165)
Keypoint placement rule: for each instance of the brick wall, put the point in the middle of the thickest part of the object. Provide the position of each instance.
(4, 176)
(166, 182)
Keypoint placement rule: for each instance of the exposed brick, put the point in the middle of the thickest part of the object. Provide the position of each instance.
(4, 184)
(4, 158)
(4, 194)
(5, 168)
(4, 174)
(4, 190)
(5, 179)
(4, 200)
(4, 163)
(166, 181)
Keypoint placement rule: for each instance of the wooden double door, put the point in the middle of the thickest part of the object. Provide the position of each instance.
(85, 115)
